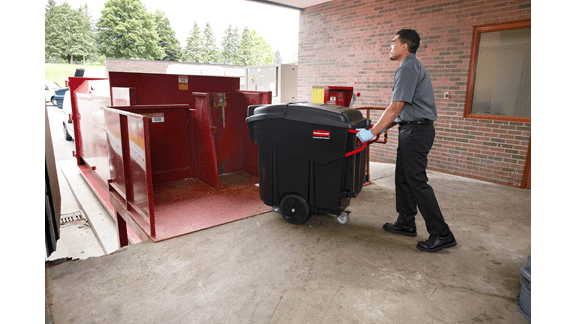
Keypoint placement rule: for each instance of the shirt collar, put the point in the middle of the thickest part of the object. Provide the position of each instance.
(409, 57)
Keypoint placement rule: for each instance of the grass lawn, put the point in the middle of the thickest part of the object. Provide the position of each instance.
(60, 72)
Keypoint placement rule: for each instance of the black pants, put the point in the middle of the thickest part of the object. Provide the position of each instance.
(412, 188)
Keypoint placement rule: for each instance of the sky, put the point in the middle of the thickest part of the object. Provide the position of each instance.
(279, 26)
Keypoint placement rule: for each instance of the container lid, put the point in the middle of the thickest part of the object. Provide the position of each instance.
(313, 113)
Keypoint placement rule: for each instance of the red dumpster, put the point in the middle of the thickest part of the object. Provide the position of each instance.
(171, 153)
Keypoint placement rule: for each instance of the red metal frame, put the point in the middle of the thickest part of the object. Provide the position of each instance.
(133, 164)
(138, 184)
(130, 181)
(384, 141)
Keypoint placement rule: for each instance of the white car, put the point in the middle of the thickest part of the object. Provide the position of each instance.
(67, 123)
(49, 88)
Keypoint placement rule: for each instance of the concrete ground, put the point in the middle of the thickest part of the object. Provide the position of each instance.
(264, 270)
(77, 239)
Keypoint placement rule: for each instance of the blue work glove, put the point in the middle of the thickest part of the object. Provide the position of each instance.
(364, 135)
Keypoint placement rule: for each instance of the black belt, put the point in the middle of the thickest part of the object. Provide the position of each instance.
(418, 122)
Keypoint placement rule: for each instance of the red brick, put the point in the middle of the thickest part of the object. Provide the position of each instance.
(345, 43)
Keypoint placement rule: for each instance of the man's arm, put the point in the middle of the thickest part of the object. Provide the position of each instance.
(387, 118)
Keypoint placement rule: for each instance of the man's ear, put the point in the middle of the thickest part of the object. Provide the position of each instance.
(405, 46)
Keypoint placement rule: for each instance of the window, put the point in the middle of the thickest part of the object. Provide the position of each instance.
(499, 80)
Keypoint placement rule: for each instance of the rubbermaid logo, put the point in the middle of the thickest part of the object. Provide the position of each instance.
(321, 134)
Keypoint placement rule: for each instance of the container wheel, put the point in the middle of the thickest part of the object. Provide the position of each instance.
(53, 100)
(294, 209)
(343, 218)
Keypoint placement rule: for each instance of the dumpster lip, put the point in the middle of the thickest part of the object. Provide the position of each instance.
(126, 110)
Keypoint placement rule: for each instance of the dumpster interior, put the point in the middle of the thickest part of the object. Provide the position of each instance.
(167, 158)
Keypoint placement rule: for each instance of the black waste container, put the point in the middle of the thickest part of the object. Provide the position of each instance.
(309, 159)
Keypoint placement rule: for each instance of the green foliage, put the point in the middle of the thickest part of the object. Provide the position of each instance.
(277, 57)
(67, 33)
(61, 72)
(102, 60)
(193, 49)
(230, 44)
(127, 30)
(254, 49)
(210, 49)
(168, 42)
(51, 48)
(250, 49)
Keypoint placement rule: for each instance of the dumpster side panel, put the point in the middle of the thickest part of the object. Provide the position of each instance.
(225, 119)
(170, 142)
(234, 150)
(120, 96)
(116, 160)
(73, 84)
(90, 122)
(162, 89)
(207, 169)
(140, 168)
(131, 186)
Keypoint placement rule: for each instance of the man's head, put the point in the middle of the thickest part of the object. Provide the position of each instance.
(404, 43)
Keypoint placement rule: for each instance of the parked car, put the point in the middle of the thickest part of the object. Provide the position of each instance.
(59, 97)
(67, 123)
(49, 91)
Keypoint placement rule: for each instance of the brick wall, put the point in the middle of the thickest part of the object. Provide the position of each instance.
(346, 43)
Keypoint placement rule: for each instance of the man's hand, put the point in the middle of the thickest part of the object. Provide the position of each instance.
(364, 135)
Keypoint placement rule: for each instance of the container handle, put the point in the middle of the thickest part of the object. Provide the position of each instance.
(360, 149)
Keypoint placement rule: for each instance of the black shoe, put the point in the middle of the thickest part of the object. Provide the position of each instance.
(436, 243)
(400, 229)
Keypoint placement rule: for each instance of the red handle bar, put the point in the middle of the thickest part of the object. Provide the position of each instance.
(360, 149)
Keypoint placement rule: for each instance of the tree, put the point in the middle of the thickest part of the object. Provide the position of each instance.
(263, 51)
(247, 43)
(168, 42)
(51, 48)
(254, 49)
(230, 43)
(67, 32)
(277, 57)
(127, 30)
(85, 37)
(210, 50)
(193, 49)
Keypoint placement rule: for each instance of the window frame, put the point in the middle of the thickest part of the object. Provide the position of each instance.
(473, 63)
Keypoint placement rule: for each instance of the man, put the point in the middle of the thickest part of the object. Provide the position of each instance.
(413, 108)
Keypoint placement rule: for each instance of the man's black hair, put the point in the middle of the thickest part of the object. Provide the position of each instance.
(410, 37)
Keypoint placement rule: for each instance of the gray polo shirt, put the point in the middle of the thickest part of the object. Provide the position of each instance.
(413, 86)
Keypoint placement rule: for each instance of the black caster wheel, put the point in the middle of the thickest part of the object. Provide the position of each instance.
(294, 209)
